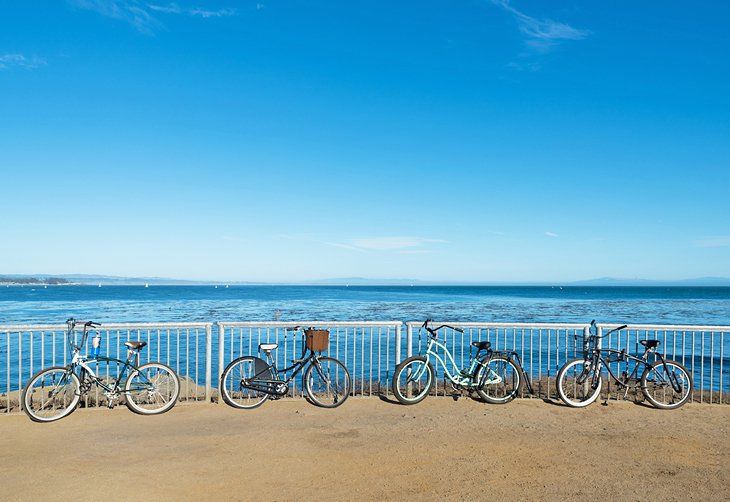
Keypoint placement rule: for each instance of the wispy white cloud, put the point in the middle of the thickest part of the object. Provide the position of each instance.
(213, 13)
(8, 61)
(174, 8)
(130, 11)
(140, 15)
(551, 234)
(715, 242)
(540, 34)
(171, 8)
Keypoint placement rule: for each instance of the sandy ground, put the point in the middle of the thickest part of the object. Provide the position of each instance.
(372, 449)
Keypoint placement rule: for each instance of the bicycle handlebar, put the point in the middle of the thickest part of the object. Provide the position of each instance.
(612, 331)
(434, 330)
(89, 324)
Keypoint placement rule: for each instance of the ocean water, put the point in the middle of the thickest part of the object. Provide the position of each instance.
(631, 305)
(707, 353)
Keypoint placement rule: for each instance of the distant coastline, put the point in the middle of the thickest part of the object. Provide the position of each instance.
(105, 280)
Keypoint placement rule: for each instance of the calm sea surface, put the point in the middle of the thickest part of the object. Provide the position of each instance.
(662, 305)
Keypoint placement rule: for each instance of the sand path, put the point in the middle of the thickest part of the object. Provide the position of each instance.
(372, 449)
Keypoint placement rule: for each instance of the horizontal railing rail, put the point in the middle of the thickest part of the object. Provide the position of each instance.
(370, 350)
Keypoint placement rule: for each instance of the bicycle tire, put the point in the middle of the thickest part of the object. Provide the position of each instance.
(231, 390)
(572, 393)
(659, 389)
(327, 382)
(151, 389)
(66, 394)
(500, 380)
(419, 367)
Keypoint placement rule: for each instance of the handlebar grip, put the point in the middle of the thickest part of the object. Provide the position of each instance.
(622, 327)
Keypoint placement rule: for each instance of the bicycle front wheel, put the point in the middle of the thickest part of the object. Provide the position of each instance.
(151, 389)
(327, 382)
(51, 394)
(576, 381)
(666, 387)
(413, 380)
(498, 380)
(242, 371)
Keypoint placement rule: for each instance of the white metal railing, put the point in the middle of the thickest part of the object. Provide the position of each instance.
(369, 349)
(199, 352)
(544, 348)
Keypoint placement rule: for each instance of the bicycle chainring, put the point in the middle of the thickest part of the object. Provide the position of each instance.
(281, 388)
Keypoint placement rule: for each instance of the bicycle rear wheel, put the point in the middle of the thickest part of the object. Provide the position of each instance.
(413, 379)
(327, 382)
(51, 394)
(658, 385)
(245, 369)
(575, 383)
(151, 389)
(499, 380)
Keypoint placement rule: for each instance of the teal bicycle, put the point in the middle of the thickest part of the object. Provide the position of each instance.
(496, 376)
(54, 393)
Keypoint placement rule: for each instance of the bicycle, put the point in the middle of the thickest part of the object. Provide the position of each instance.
(496, 375)
(665, 383)
(54, 393)
(247, 382)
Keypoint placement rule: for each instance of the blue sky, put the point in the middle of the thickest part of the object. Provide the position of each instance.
(437, 140)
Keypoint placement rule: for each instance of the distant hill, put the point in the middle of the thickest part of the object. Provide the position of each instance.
(82, 279)
(32, 281)
(110, 280)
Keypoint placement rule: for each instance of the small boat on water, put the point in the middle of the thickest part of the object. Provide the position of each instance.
(146, 285)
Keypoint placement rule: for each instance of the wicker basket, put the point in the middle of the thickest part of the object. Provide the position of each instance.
(318, 340)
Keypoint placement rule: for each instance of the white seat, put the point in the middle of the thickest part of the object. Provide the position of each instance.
(268, 347)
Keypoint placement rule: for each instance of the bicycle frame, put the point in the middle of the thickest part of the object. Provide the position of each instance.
(599, 361)
(465, 379)
(83, 362)
(270, 386)
(79, 361)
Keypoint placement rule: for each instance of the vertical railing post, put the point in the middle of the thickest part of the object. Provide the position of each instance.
(397, 344)
(409, 341)
(20, 369)
(208, 361)
(221, 353)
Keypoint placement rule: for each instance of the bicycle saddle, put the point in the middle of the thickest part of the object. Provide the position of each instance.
(268, 347)
(482, 345)
(135, 345)
(649, 344)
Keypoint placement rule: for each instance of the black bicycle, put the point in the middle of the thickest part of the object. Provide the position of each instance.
(249, 381)
(666, 384)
